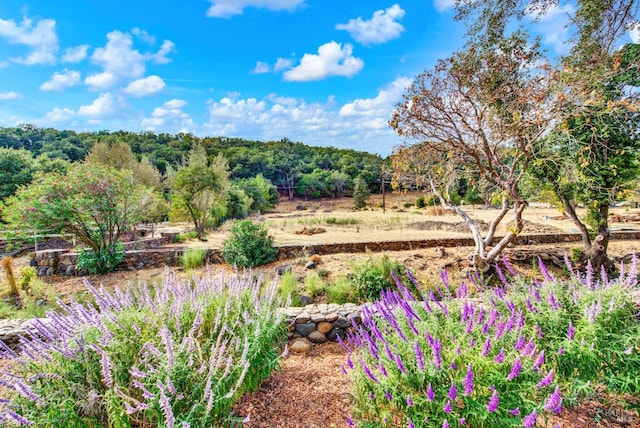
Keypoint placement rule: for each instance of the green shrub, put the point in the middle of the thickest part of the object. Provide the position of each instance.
(102, 261)
(340, 291)
(288, 288)
(313, 285)
(186, 236)
(249, 245)
(373, 276)
(193, 258)
(420, 202)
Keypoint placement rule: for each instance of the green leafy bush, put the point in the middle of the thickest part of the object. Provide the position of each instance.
(249, 245)
(193, 258)
(180, 353)
(373, 276)
(340, 291)
(288, 289)
(186, 236)
(314, 285)
(101, 261)
(420, 202)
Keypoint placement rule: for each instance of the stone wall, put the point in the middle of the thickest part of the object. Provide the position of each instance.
(61, 262)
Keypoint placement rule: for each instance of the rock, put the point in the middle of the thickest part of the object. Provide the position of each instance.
(331, 317)
(333, 334)
(324, 327)
(317, 337)
(300, 346)
(70, 271)
(318, 317)
(355, 317)
(341, 322)
(303, 318)
(305, 300)
(49, 271)
(310, 265)
(281, 270)
(305, 329)
(42, 271)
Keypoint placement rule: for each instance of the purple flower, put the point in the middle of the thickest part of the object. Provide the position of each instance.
(445, 424)
(19, 418)
(515, 412)
(388, 395)
(462, 421)
(400, 365)
(530, 420)
(546, 381)
(468, 381)
(419, 358)
(453, 392)
(410, 423)
(539, 361)
(447, 407)
(409, 401)
(430, 394)
(492, 405)
(350, 422)
(500, 357)
(554, 401)
(560, 350)
(487, 347)
(516, 367)
(367, 370)
(571, 331)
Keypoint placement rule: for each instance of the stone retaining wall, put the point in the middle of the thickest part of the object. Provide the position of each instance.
(61, 262)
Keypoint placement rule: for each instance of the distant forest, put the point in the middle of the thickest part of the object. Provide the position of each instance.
(295, 168)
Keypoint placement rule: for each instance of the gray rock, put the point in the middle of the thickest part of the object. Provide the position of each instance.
(303, 318)
(70, 271)
(281, 270)
(310, 265)
(333, 334)
(306, 300)
(317, 337)
(318, 317)
(305, 329)
(49, 271)
(341, 322)
(331, 317)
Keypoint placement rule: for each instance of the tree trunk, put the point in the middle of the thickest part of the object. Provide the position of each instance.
(596, 252)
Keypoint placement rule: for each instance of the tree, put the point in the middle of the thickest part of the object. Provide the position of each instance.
(198, 184)
(361, 193)
(94, 203)
(481, 112)
(591, 155)
(16, 169)
(264, 195)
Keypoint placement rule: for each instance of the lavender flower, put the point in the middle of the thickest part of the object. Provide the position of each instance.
(453, 392)
(447, 407)
(539, 361)
(554, 401)
(388, 395)
(350, 422)
(515, 412)
(500, 357)
(410, 423)
(419, 357)
(430, 394)
(367, 370)
(468, 381)
(409, 401)
(494, 401)
(445, 424)
(530, 420)
(546, 380)
(462, 421)
(487, 347)
(19, 418)
(515, 369)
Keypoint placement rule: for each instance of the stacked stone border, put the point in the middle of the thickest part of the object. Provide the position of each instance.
(63, 262)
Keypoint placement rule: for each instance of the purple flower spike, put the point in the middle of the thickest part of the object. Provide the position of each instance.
(515, 369)
(493, 403)
(453, 392)
(350, 422)
(530, 420)
(546, 381)
(430, 394)
(554, 402)
(468, 381)
(515, 412)
(571, 331)
(388, 395)
(409, 401)
(445, 424)
(419, 357)
(560, 350)
(462, 421)
(539, 361)
(447, 407)
(487, 347)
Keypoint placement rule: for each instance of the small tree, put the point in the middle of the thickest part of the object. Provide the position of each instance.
(361, 193)
(198, 184)
(94, 203)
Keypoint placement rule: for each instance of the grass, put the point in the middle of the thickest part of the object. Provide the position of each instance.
(193, 258)
(288, 288)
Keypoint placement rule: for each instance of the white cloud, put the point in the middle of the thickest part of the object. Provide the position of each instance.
(56, 116)
(107, 105)
(382, 26)
(261, 68)
(634, 34)
(553, 26)
(442, 5)
(283, 64)
(75, 54)
(11, 95)
(228, 8)
(382, 105)
(332, 60)
(145, 87)
(143, 35)
(61, 81)
(40, 38)
(169, 118)
(121, 62)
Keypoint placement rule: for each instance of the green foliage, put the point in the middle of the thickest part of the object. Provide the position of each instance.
(342, 221)
(370, 278)
(288, 289)
(16, 169)
(314, 285)
(193, 258)
(186, 236)
(420, 202)
(263, 194)
(361, 193)
(249, 245)
(101, 261)
(340, 291)
(94, 203)
(529, 346)
(173, 354)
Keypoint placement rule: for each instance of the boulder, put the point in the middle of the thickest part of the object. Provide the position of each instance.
(300, 346)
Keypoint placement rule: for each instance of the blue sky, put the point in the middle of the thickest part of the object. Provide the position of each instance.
(322, 72)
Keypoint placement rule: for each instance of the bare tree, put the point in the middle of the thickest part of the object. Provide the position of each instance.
(483, 111)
